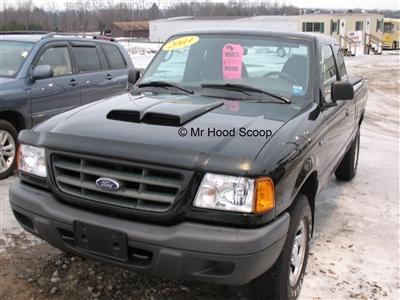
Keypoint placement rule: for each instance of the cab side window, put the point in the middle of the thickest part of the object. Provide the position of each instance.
(341, 64)
(86, 58)
(59, 59)
(328, 71)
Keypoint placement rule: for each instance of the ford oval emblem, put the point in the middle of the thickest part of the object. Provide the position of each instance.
(108, 184)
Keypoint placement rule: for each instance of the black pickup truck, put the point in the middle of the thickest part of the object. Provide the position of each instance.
(208, 169)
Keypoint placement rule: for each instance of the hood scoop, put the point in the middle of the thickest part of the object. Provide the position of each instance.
(173, 113)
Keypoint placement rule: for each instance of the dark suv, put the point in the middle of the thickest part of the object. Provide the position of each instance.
(43, 74)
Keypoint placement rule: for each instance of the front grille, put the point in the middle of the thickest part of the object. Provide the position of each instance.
(141, 187)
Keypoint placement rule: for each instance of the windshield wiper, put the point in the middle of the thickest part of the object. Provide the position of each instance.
(163, 84)
(243, 88)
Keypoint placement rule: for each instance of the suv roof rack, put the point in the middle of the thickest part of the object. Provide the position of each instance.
(52, 34)
(24, 32)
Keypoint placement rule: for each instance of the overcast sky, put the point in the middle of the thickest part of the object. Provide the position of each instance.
(349, 4)
(313, 4)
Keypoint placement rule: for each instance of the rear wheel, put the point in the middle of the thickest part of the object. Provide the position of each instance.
(8, 148)
(348, 166)
(285, 278)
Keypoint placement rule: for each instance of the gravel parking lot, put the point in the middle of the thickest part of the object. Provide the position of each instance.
(354, 252)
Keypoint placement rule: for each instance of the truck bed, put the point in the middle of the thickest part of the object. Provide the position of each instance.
(355, 79)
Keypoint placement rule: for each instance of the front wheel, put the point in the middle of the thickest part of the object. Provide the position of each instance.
(285, 278)
(8, 148)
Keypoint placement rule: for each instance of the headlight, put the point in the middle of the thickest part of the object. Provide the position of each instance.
(237, 194)
(32, 160)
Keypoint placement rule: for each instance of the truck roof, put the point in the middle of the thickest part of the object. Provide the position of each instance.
(275, 33)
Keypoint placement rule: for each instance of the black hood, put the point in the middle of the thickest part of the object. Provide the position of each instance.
(185, 126)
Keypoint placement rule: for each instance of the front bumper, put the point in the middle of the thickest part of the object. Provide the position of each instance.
(190, 251)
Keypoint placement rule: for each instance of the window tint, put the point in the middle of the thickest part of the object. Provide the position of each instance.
(86, 59)
(114, 57)
(103, 60)
(328, 70)
(58, 58)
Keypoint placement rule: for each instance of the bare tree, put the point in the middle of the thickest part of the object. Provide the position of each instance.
(88, 14)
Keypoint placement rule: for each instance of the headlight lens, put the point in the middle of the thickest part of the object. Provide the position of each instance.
(32, 160)
(229, 193)
(225, 193)
(236, 194)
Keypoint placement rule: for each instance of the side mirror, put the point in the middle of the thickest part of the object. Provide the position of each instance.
(42, 72)
(342, 90)
(133, 76)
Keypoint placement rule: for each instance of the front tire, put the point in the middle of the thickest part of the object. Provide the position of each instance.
(8, 148)
(285, 278)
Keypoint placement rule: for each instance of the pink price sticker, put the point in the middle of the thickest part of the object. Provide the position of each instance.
(232, 56)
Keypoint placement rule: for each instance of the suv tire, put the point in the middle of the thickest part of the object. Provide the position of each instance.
(8, 147)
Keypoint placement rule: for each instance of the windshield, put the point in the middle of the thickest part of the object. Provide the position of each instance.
(278, 66)
(12, 56)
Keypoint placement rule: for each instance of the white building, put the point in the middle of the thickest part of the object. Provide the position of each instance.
(160, 30)
(356, 33)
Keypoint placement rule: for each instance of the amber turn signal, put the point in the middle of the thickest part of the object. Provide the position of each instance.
(264, 195)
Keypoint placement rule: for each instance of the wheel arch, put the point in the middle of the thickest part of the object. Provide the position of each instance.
(14, 118)
(309, 189)
(361, 119)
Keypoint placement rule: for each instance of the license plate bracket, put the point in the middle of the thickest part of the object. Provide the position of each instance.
(99, 240)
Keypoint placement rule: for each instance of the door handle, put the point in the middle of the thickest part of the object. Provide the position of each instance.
(109, 77)
(347, 112)
(73, 82)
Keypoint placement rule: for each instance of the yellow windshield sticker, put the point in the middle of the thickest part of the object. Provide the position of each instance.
(180, 102)
(181, 42)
